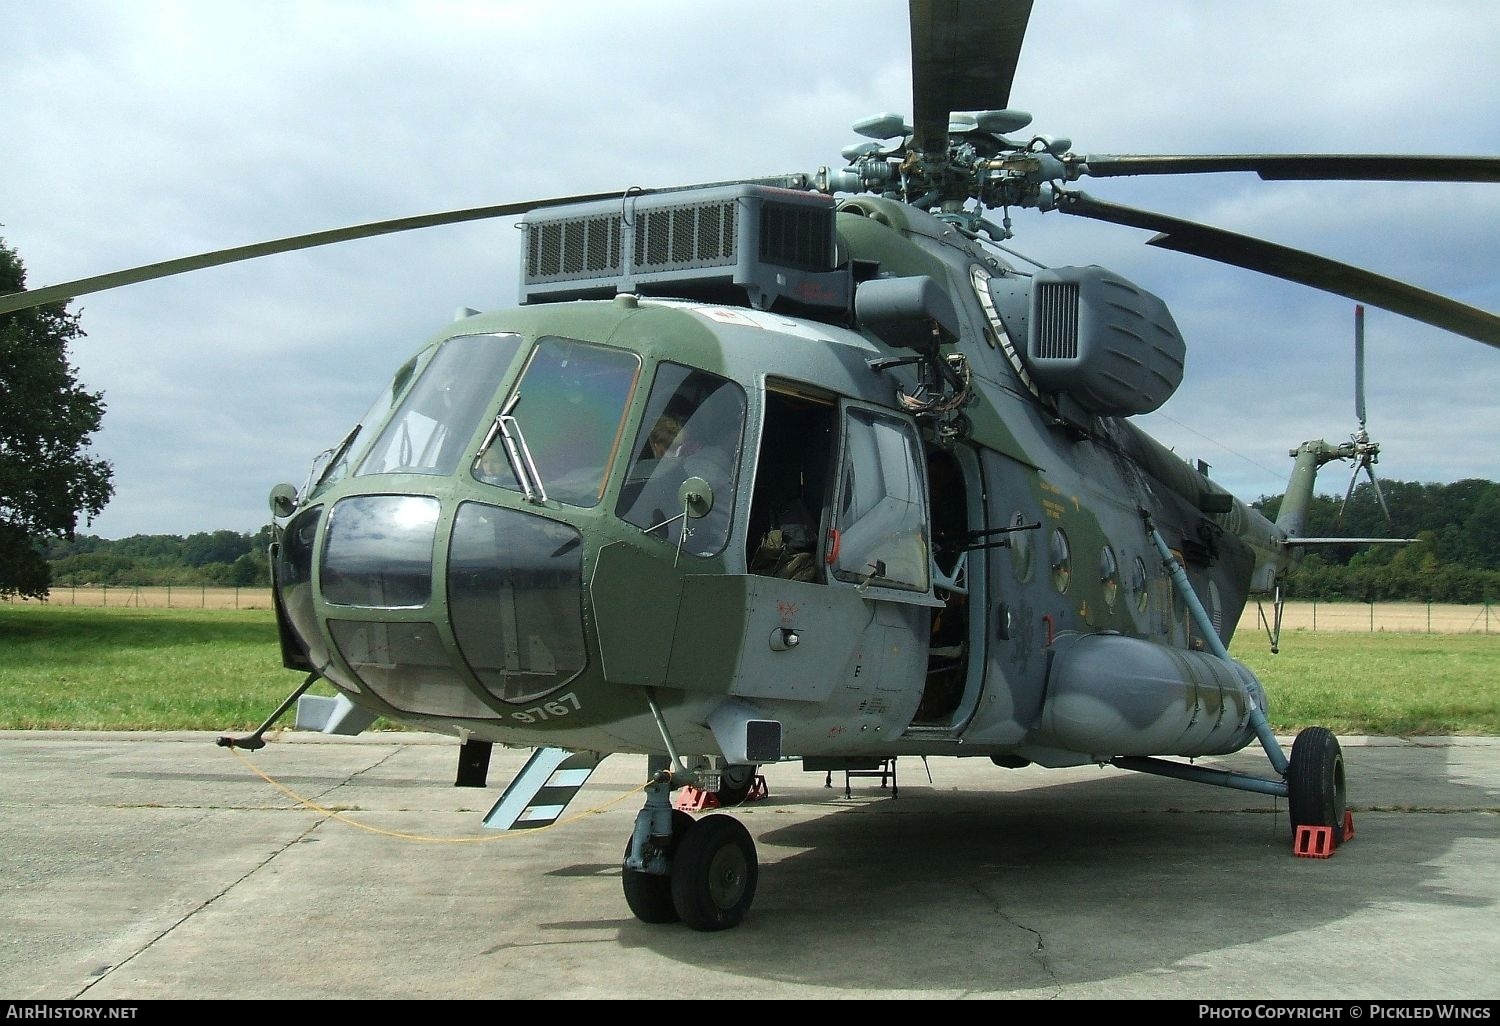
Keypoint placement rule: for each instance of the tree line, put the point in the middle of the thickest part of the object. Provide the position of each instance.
(215, 558)
(1455, 558)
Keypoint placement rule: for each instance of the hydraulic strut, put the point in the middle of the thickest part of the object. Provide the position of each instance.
(255, 742)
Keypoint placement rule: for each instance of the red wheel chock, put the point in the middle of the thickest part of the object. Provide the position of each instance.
(695, 799)
(1316, 842)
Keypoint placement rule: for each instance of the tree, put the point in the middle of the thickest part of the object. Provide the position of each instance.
(47, 479)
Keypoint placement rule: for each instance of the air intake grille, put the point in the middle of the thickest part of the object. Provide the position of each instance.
(796, 237)
(577, 248)
(701, 235)
(1057, 326)
(763, 245)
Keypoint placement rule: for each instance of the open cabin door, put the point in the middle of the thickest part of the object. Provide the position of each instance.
(877, 544)
(880, 528)
(956, 647)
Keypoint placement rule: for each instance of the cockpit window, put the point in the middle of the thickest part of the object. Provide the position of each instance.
(692, 429)
(333, 464)
(568, 414)
(439, 416)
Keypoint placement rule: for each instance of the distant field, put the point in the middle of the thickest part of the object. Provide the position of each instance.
(132, 668)
(161, 597)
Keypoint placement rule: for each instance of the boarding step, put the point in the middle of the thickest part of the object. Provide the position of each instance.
(542, 790)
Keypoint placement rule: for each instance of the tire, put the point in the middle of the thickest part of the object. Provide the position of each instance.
(714, 874)
(1316, 792)
(649, 895)
(735, 784)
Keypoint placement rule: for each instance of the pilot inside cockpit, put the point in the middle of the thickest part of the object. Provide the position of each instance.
(693, 429)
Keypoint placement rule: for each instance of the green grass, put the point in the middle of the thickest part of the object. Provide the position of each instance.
(82, 668)
(1383, 683)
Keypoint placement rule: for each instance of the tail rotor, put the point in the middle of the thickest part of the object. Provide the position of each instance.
(1360, 448)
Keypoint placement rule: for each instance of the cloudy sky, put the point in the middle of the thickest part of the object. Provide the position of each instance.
(140, 131)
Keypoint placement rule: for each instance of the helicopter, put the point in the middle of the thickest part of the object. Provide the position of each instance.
(810, 467)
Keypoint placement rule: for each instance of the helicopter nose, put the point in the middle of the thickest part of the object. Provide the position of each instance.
(438, 612)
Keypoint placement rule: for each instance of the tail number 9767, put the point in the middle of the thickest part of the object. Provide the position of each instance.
(549, 710)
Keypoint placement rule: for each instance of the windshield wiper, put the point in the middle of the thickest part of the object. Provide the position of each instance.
(516, 449)
(333, 455)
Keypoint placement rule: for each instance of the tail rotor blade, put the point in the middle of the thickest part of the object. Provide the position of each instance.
(1381, 498)
(1348, 493)
(1359, 364)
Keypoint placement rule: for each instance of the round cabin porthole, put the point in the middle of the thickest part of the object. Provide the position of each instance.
(1109, 575)
(1062, 561)
(1021, 550)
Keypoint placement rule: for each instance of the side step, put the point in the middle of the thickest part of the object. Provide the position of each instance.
(541, 791)
(336, 715)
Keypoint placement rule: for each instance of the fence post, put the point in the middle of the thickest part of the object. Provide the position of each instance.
(1429, 616)
(1315, 616)
(1372, 616)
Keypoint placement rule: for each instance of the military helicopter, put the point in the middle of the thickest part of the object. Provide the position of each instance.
(807, 467)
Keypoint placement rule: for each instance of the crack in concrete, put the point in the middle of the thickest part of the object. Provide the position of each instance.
(1039, 952)
(108, 971)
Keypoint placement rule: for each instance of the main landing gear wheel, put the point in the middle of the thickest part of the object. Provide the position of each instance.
(714, 873)
(734, 785)
(649, 895)
(1316, 792)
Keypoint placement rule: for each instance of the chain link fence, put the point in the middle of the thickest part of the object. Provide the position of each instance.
(1375, 617)
(166, 596)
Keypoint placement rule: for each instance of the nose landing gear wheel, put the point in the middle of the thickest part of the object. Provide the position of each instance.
(649, 895)
(1316, 792)
(734, 785)
(714, 874)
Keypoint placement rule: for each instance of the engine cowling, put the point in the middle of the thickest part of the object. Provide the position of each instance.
(1091, 335)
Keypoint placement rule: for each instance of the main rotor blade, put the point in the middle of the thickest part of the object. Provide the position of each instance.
(1385, 167)
(1294, 265)
(963, 57)
(181, 265)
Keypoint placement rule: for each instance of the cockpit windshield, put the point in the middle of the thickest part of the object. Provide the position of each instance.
(438, 418)
(333, 464)
(568, 412)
